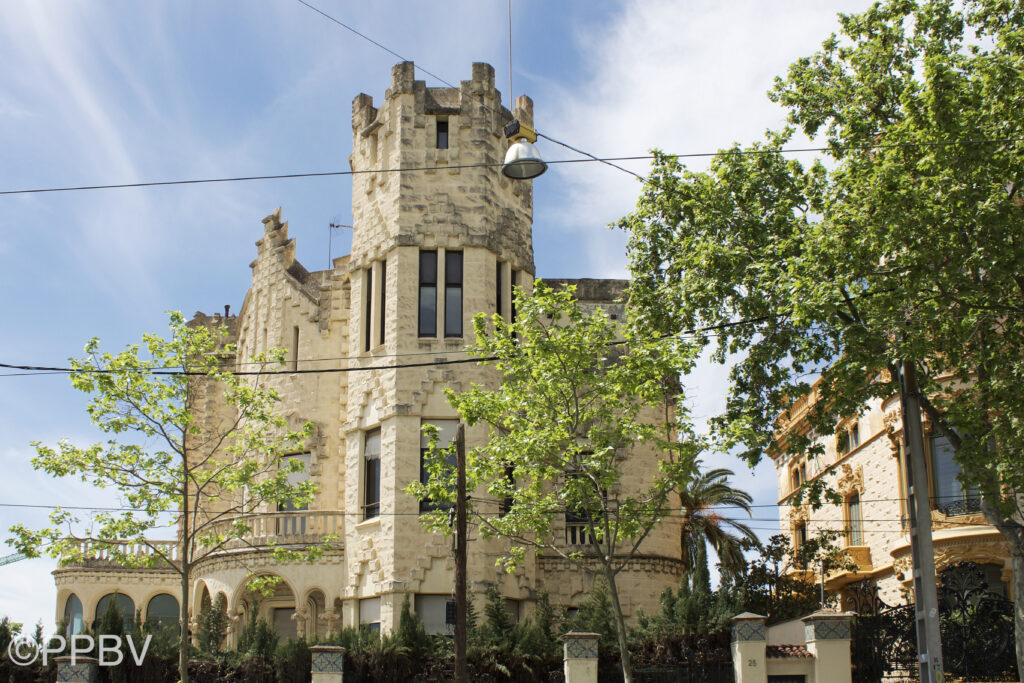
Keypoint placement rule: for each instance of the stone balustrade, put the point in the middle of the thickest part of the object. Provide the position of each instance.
(106, 553)
(301, 527)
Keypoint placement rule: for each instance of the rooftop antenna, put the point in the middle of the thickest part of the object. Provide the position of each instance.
(334, 225)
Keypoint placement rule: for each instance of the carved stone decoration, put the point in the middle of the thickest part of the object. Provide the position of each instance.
(893, 430)
(985, 552)
(851, 480)
(901, 568)
(799, 514)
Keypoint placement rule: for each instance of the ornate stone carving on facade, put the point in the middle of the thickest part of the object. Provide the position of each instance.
(942, 521)
(901, 568)
(799, 514)
(300, 617)
(330, 617)
(966, 550)
(894, 430)
(850, 481)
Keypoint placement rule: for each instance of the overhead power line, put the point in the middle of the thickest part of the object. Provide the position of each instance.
(640, 157)
(371, 40)
(452, 85)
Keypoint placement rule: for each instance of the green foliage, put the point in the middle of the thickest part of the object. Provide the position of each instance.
(161, 453)
(702, 525)
(293, 661)
(693, 610)
(514, 649)
(257, 639)
(596, 615)
(904, 246)
(578, 390)
(410, 633)
(213, 625)
(769, 586)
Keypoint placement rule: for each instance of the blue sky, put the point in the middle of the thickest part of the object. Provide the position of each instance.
(115, 91)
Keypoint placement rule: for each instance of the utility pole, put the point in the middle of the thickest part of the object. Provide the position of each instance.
(922, 552)
(460, 555)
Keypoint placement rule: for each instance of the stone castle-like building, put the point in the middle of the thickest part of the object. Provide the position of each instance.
(430, 249)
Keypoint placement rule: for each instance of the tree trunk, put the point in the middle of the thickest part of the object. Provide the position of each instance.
(620, 626)
(1018, 606)
(183, 640)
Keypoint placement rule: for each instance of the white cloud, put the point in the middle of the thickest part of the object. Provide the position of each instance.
(680, 76)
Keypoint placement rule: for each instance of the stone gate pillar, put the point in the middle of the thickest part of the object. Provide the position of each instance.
(749, 640)
(78, 668)
(828, 638)
(327, 663)
(580, 656)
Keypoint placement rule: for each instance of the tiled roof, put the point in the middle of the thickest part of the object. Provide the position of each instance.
(784, 651)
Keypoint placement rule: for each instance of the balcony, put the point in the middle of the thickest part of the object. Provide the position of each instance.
(280, 529)
(265, 530)
(859, 556)
(102, 554)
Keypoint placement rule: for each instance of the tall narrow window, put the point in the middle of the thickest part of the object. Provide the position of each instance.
(442, 134)
(498, 298)
(453, 294)
(854, 435)
(294, 524)
(514, 283)
(799, 541)
(294, 479)
(371, 469)
(428, 294)
(368, 313)
(842, 443)
(295, 348)
(445, 435)
(383, 297)
(856, 534)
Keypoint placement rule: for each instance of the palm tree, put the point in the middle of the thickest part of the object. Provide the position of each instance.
(703, 525)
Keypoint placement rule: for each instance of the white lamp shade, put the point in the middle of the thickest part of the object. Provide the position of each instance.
(522, 161)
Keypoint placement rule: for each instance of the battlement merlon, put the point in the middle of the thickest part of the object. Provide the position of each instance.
(477, 95)
(217, 320)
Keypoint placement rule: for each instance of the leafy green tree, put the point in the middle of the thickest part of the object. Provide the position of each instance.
(702, 525)
(778, 582)
(578, 392)
(411, 633)
(902, 246)
(694, 609)
(258, 638)
(168, 464)
(112, 623)
(213, 625)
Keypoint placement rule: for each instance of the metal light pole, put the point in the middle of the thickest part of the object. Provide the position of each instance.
(922, 553)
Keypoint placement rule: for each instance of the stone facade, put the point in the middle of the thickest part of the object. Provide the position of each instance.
(865, 464)
(358, 318)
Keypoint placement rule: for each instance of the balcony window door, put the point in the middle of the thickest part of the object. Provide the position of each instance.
(294, 524)
(948, 495)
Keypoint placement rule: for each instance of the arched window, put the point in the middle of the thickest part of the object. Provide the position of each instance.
(162, 611)
(74, 621)
(125, 607)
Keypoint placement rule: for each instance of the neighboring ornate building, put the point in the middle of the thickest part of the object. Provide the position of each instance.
(865, 464)
(430, 249)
